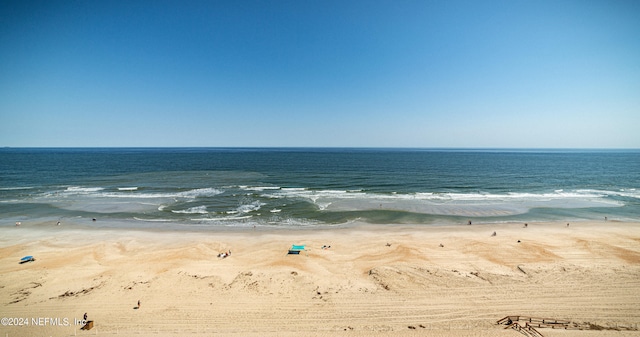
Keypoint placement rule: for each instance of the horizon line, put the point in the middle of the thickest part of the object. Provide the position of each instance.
(331, 147)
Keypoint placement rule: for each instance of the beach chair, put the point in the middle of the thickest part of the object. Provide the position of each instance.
(26, 259)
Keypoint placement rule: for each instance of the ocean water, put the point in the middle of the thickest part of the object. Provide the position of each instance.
(213, 188)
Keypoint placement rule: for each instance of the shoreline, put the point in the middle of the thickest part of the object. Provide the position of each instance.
(374, 279)
(176, 227)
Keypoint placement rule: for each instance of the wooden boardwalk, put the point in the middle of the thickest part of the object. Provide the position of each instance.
(513, 322)
(527, 325)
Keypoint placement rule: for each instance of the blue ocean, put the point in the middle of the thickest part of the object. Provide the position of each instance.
(216, 188)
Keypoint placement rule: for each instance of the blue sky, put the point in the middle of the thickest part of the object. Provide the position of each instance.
(542, 74)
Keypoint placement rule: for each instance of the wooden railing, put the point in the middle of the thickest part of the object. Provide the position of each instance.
(526, 325)
(526, 330)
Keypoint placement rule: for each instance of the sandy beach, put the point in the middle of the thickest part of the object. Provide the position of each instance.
(392, 280)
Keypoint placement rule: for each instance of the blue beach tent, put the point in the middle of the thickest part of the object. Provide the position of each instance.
(295, 249)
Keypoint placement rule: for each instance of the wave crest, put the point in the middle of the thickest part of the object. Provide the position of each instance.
(192, 210)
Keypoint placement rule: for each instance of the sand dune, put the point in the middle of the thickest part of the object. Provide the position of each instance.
(373, 281)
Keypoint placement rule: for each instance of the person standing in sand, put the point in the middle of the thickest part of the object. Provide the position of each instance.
(138, 304)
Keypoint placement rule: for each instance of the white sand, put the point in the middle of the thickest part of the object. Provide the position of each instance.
(588, 272)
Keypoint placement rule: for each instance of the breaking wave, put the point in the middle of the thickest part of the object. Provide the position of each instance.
(193, 210)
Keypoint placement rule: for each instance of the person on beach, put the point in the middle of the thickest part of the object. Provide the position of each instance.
(84, 317)
(494, 234)
(525, 225)
(469, 223)
(225, 254)
(138, 304)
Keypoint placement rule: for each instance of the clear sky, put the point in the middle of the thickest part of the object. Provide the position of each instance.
(516, 73)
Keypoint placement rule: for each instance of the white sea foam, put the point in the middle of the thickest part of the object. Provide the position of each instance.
(289, 192)
(466, 204)
(192, 210)
(272, 196)
(275, 210)
(15, 188)
(246, 208)
(294, 222)
(628, 193)
(152, 220)
(82, 190)
(323, 206)
(137, 195)
(200, 192)
(228, 218)
(259, 188)
(631, 193)
(337, 194)
(100, 193)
